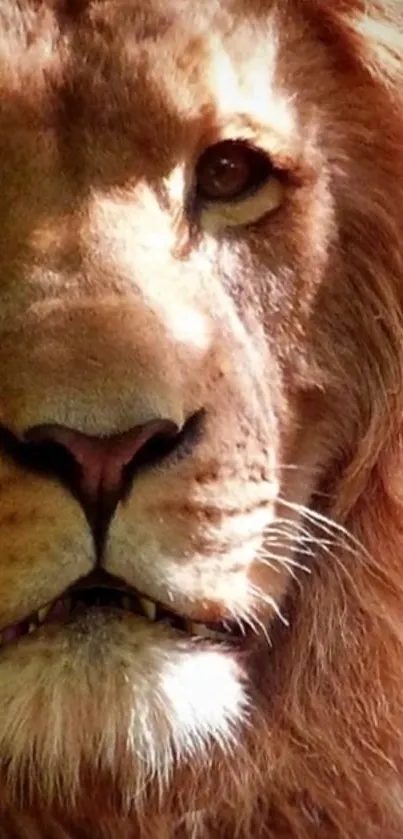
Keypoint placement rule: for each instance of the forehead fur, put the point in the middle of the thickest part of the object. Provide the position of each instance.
(367, 33)
(177, 75)
(174, 75)
(44, 39)
(104, 92)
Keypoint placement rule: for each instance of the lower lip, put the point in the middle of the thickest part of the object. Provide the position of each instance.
(61, 613)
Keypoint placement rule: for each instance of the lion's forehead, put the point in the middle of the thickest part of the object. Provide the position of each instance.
(122, 89)
(114, 100)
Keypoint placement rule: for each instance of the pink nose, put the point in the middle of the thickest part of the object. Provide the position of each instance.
(102, 460)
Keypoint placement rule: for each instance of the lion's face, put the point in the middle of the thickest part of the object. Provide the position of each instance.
(178, 272)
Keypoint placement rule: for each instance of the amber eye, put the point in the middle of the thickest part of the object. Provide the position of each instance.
(230, 170)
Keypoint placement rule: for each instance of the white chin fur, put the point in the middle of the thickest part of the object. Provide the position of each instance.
(114, 692)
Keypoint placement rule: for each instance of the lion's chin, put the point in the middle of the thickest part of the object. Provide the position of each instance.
(111, 693)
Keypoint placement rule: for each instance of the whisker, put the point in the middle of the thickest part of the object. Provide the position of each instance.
(330, 527)
(302, 551)
(290, 564)
(304, 539)
(263, 629)
(271, 560)
(295, 467)
(271, 556)
(313, 533)
(293, 526)
(258, 627)
(327, 524)
(268, 600)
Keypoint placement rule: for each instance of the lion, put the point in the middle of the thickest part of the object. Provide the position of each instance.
(201, 366)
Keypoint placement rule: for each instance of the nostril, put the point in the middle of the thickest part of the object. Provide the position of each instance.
(99, 471)
(102, 465)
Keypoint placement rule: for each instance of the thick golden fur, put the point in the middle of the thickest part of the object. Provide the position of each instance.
(287, 330)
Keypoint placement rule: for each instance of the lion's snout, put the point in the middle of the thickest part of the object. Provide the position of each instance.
(100, 470)
(99, 367)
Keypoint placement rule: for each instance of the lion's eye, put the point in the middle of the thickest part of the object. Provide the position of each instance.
(231, 170)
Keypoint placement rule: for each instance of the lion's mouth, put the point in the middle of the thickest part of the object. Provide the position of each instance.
(102, 592)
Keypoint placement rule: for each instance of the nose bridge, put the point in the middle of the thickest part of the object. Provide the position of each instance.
(108, 328)
(97, 365)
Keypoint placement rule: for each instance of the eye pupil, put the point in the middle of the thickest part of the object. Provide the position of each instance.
(228, 170)
(224, 175)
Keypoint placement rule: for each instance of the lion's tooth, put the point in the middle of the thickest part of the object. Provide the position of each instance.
(200, 630)
(31, 627)
(43, 613)
(149, 608)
